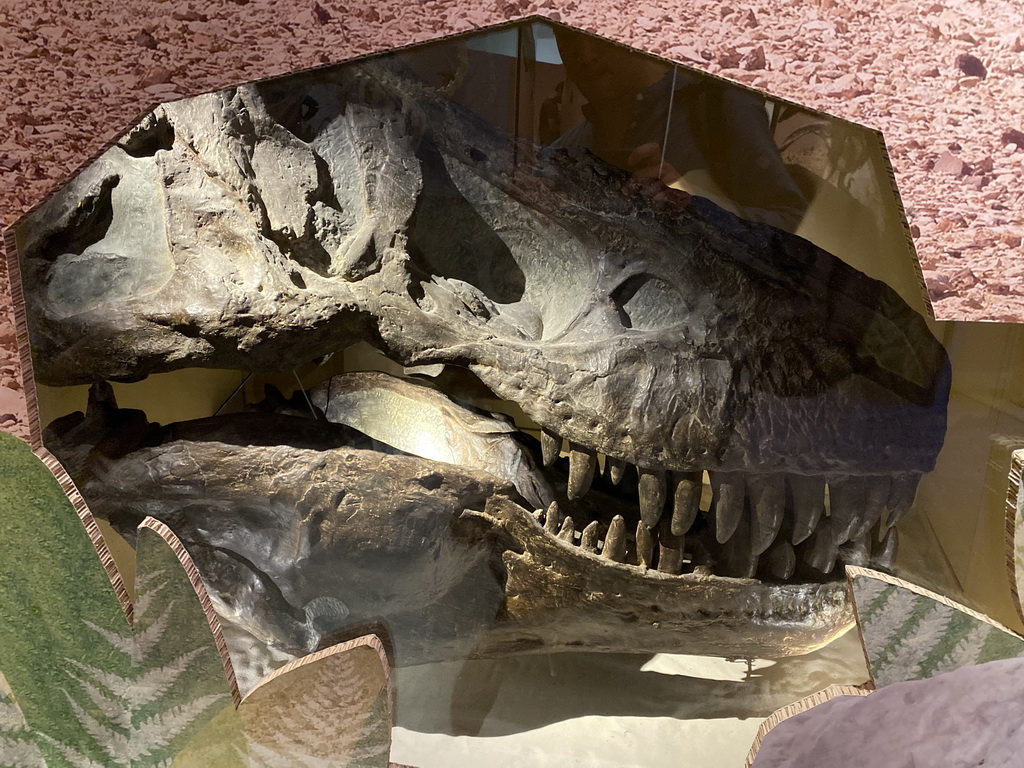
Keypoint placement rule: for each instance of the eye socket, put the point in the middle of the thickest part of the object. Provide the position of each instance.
(646, 302)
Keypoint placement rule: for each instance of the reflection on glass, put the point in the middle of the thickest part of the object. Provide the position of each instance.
(686, 129)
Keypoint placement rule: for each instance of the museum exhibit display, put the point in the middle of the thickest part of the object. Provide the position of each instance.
(515, 345)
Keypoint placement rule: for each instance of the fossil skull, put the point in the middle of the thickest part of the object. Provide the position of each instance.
(264, 226)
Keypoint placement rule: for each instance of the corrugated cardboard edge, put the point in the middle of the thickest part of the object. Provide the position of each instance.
(371, 641)
(834, 691)
(21, 339)
(199, 588)
(796, 708)
(106, 559)
(854, 570)
(1012, 502)
(95, 536)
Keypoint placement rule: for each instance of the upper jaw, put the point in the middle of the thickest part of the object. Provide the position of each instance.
(668, 409)
(773, 355)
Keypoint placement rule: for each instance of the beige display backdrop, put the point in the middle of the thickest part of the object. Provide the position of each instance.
(77, 81)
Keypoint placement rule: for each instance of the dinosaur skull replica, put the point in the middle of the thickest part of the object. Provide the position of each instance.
(264, 226)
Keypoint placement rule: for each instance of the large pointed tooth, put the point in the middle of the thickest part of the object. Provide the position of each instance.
(856, 551)
(767, 507)
(685, 501)
(728, 490)
(885, 554)
(582, 463)
(902, 491)
(820, 550)
(590, 537)
(553, 521)
(779, 560)
(846, 503)
(652, 496)
(876, 495)
(550, 447)
(538, 515)
(616, 469)
(644, 545)
(615, 540)
(737, 559)
(671, 552)
(568, 531)
(808, 504)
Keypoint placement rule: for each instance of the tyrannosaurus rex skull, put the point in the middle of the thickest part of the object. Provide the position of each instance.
(261, 227)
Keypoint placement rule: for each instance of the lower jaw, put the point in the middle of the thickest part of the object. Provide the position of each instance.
(562, 598)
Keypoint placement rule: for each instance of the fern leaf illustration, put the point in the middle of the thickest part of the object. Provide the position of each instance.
(111, 706)
(71, 756)
(113, 740)
(146, 640)
(911, 633)
(121, 642)
(52, 582)
(180, 681)
(147, 587)
(966, 651)
(18, 753)
(100, 685)
(153, 735)
(153, 683)
(904, 665)
(334, 706)
(17, 745)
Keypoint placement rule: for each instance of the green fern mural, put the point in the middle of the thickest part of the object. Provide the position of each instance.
(98, 681)
(94, 679)
(910, 633)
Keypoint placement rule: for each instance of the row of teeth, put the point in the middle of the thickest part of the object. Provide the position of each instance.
(613, 543)
(827, 516)
(667, 553)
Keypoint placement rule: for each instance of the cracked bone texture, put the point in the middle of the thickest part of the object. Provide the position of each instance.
(261, 235)
(770, 355)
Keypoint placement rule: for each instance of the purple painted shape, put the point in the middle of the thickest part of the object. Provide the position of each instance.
(971, 717)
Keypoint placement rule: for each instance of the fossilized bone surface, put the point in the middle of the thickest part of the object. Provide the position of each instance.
(630, 319)
(299, 540)
(414, 418)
